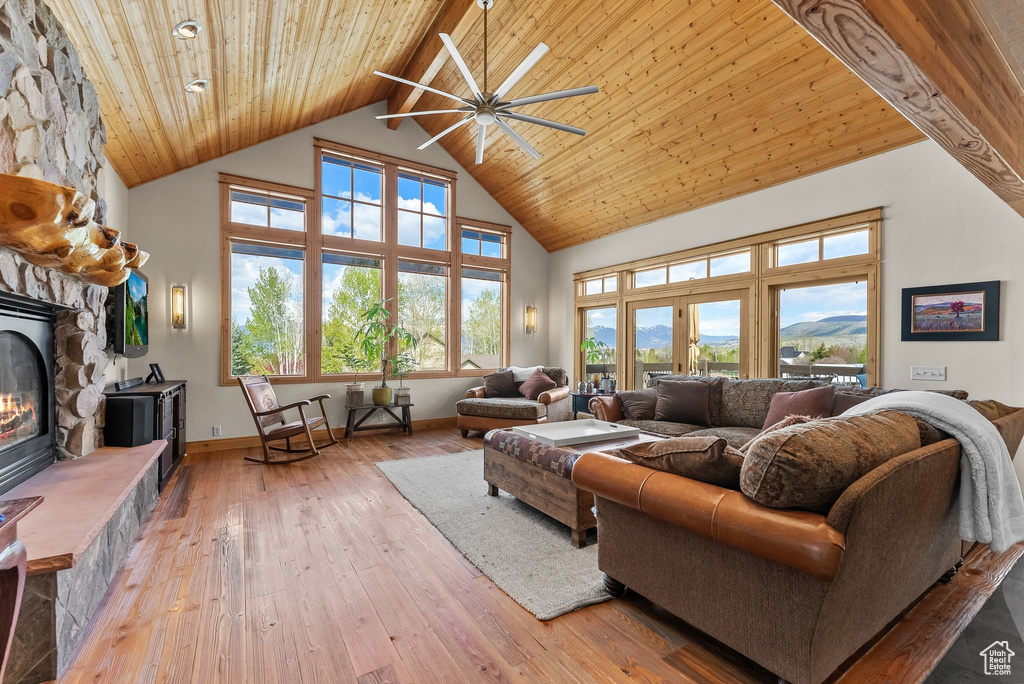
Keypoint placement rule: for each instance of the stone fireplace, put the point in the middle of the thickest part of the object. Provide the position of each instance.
(75, 355)
(27, 413)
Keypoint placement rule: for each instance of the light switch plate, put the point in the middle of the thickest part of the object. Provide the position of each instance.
(937, 373)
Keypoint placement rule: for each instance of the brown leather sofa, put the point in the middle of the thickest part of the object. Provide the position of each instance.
(797, 592)
(480, 413)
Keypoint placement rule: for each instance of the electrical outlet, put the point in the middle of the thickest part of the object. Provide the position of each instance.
(380, 417)
(216, 430)
(937, 373)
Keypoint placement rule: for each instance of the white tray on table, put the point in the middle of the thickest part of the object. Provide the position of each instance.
(571, 432)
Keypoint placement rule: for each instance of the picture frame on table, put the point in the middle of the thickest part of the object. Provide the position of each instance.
(155, 373)
(951, 313)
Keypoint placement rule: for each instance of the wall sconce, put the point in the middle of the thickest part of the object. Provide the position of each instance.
(178, 306)
(531, 320)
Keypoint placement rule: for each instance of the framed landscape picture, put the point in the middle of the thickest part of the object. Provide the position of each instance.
(968, 311)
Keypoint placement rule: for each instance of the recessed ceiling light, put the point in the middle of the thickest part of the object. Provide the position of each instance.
(197, 86)
(187, 30)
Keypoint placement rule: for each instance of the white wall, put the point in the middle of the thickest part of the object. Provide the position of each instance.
(940, 226)
(114, 192)
(177, 219)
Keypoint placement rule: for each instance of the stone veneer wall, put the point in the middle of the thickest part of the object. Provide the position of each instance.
(57, 606)
(50, 128)
(50, 125)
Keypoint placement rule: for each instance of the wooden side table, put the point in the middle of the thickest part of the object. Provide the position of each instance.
(13, 558)
(581, 401)
(404, 421)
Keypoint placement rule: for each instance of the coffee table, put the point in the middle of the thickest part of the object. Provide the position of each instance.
(538, 475)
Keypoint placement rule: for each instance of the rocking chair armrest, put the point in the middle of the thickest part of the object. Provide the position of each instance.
(279, 409)
(320, 397)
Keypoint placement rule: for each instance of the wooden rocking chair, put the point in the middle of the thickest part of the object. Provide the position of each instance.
(271, 424)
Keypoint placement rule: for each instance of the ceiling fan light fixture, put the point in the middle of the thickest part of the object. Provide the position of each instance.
(489, 108)
(187, 30)
(197, 86)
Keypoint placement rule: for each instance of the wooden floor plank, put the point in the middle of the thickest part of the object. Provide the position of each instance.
(321, 571)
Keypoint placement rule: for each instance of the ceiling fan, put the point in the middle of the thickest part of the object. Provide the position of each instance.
(488, 108)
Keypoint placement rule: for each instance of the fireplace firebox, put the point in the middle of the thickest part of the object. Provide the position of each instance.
(27, 405)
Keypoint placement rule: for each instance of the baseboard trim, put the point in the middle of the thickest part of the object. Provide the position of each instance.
(225, 443)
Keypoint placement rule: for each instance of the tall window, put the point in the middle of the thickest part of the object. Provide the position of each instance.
(351, 284)
(823, 331)
(601, 325)
(423, 311)
(302, 265)
(483, 282)
(795, 302)
(264, 304)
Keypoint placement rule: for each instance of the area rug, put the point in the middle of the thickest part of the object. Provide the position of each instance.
(524, 552)
(991, 647)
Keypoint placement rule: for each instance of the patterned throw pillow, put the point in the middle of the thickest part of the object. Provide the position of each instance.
(810, 465)
(708, 459)
(536, 384)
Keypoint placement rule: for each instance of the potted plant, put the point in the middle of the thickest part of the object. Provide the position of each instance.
(401, 366)
(593, 350)
(370, 350)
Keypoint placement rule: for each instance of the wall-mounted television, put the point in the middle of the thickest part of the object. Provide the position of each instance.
(131, 316)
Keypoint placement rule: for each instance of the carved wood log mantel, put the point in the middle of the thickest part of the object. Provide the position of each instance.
(52, 226)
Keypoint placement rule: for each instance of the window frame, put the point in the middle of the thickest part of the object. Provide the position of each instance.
(315, 244)
(232, 232)
(761, 281)
(501, 264)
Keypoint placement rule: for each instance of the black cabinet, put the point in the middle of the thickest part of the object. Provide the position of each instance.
(168, 423)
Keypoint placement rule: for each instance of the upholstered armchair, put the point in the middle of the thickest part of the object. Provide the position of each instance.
(480, 413)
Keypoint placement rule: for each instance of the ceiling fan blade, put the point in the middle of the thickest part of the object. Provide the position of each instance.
(445, 132)
(461, 63)
(557, 95)
(481, 142)
(521, 70)
(543, 122)
(510, 132)
(414, 84)
(432, 111)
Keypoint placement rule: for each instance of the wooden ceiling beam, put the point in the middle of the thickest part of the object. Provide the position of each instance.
(935, 63)
(455, 18)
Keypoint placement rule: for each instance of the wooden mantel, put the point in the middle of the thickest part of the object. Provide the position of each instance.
(52, 226)
(938, 65)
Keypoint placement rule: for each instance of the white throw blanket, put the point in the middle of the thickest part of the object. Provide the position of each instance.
(991, 507)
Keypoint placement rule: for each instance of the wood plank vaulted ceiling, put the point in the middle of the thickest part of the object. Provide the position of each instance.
(700, 101)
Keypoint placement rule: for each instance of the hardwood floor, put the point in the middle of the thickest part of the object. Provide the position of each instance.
(322, 572)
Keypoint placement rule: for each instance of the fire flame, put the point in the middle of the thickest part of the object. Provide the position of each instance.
(11, 412)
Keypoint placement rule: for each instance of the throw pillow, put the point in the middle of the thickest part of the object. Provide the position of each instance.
(500, 384)
(814, 403)
(846, 400)
(708, 459)
(810, 465)
(535, 384)
(638, 404)
(682, 402)
(523, 374)
(992, 409)
(784, 423)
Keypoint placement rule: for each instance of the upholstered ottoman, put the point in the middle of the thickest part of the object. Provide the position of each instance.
(541, 475)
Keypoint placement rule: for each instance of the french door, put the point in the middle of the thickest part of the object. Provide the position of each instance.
(696, 334)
